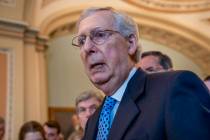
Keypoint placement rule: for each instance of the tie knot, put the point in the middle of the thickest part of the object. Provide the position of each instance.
(109, 103)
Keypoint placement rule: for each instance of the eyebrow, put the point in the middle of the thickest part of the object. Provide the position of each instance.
(94, 29)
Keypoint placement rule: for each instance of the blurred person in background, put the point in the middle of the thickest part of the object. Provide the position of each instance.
(2, 128)
(155, 61)
(86, 104)
(207, 82)
(52, 130)
(75, 122)
(31, 130)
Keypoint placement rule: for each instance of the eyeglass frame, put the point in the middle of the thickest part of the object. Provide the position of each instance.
(81, 111)
(92, 34)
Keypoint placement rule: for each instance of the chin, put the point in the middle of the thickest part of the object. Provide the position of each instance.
(99, 80)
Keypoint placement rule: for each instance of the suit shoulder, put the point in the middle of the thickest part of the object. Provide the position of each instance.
(170, 82)
(181, 83)
(174, 75)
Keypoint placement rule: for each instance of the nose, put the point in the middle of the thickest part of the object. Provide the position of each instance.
(88, 114)
(88, 46)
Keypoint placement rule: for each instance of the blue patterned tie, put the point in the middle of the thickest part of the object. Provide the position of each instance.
(104, 120)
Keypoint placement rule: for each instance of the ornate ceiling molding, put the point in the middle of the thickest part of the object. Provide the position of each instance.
(21, 30)
(172, 5)
(64, 30)
(189, 48)
(54, 22)
(10, 3)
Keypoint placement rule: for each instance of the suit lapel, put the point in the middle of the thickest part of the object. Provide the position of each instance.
(125, 114)
(92, 125)
(128, 110)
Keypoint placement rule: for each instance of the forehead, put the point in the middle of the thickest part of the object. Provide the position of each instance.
(150, 60)
(46, 128)
(101, 19)
(88, 102)
(33, 136)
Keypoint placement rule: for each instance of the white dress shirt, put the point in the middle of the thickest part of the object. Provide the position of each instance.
(120, 92)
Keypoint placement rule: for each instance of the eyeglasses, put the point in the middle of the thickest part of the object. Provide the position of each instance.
(98, 37)
(82, 110)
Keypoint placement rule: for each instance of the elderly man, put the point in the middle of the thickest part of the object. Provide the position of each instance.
(138, 106)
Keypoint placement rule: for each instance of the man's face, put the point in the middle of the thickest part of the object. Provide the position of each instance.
(85, 109)
(108, 62)
(51, 133)
(151, 64)
(1, 131)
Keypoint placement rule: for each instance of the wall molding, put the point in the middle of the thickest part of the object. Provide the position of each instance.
(21, 30)
(173, 6)
(10, 82)
(9, 3)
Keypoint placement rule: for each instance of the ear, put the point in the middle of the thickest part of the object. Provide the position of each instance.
(132, 44)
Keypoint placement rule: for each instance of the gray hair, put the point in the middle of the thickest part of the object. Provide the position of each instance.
(88, 94)
(122, 22)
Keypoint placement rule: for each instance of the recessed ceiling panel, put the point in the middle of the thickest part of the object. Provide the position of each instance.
(172, 5)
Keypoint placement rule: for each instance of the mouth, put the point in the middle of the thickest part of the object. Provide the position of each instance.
(96, 66)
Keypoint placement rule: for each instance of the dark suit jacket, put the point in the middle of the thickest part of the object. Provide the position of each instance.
(161, 106)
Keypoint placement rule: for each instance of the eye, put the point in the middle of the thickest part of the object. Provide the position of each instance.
(93, 107)
(100, 34)
(81, 40)
(81, 110)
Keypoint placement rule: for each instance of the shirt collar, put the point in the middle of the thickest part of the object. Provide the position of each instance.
(120, 92)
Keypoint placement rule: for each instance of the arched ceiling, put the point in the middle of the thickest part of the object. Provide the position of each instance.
(182, 44)
(172, 5)
(191, 42)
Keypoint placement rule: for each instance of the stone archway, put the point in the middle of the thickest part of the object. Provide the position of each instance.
(187, 42)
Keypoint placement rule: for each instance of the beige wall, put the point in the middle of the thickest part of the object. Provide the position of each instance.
(3, 83)
(65, 71)
(14, 105)
(25, 83)
(12, 9)
(26, 77)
